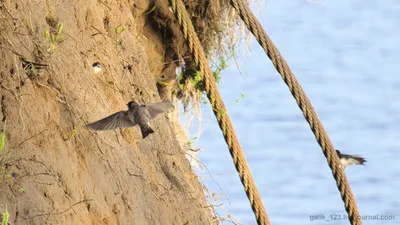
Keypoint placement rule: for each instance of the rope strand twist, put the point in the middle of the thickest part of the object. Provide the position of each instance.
(305, 105)
(220, 112)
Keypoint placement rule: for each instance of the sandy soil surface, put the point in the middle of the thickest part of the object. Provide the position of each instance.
(55, 171)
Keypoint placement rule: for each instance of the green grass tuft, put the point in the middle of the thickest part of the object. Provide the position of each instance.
(21, 190)
(54, 38)
(60, 29)
(2, 138)
(5, 218)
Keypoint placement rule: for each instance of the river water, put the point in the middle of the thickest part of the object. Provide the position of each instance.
(346, 55)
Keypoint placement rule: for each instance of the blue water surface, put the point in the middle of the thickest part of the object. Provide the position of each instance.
(346, 55)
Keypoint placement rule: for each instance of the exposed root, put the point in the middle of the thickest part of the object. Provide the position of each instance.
(59, 213)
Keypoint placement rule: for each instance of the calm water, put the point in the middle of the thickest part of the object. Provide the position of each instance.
(346, 55)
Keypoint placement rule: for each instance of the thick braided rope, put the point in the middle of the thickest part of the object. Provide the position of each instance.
(305, 105)
(220, 111)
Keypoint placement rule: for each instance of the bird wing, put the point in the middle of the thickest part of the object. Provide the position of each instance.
(116, 120)
(155, 108)
(356, 159)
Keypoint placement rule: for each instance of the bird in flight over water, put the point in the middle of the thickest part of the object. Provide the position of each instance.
(347, 160)
(135, 115)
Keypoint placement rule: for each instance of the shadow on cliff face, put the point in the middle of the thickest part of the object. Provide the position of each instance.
(55, 171)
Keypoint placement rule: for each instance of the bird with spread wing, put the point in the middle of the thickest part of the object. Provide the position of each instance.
(137, 114)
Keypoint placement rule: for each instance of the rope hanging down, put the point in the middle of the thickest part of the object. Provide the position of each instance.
(305, 105)
(220, 111)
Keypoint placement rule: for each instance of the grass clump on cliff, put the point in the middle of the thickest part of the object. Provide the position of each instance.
(223, 37)
(2, 137)
(2, 143)
(54, 38)
(2, 155)
(119, 30)
(5, 218)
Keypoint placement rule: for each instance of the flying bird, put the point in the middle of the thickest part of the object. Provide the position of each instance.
(347, 160)
(137, 114)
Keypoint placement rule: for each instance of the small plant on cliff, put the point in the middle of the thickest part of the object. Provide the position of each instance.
(193, 77)
(219, 67)
(21, 190)
(32, 68)
(118, 30)
(2, 157)
(31, 71)
(2, 137)
(190, 144)
(54, 38)
(191, 84)
(5, 218)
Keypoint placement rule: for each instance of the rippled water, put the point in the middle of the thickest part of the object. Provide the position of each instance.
(346, 55)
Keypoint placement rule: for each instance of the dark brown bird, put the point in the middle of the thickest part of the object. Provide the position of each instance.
(135, 115)
(347, 160)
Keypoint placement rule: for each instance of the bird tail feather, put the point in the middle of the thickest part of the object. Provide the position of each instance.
(359, 160)
(146, 130)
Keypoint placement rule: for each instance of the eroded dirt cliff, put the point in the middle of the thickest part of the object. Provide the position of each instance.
(52, 169)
